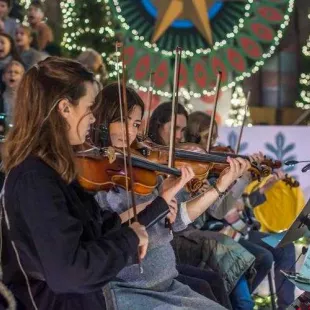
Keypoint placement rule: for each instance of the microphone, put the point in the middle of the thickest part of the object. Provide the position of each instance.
(306, 168)
(295, 162)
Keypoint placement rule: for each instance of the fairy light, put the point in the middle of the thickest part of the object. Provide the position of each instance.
(304, 81)
(73, 30)
(187, 53)
(239, 78)
(237, 109)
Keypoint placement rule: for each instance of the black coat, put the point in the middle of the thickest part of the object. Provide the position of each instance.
(68, 247)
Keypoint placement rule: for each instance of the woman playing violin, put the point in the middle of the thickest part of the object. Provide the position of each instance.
(237, 261)
(198, 129)
(59, 248)
(157, 285)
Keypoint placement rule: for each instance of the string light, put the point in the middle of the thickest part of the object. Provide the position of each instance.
(238, 79)
(237, 109)
(304, 80)
(74, 29)
(187, 53)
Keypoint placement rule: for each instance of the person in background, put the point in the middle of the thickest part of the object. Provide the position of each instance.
(23, 40)
(8, 51)
(198, 131)
(256, 199)
(207, 249)
(36, 20)
(7, 24)
(11, 77)
(92, 60)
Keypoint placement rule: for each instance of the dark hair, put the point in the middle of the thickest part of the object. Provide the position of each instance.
(13, 51)
(160, 116)
(39, 129)
(38, 4)
(109, 109)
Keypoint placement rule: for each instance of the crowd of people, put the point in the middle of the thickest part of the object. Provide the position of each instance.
(68, 248)
(22, 46)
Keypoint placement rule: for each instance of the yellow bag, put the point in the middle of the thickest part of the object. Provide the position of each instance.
(281, 208)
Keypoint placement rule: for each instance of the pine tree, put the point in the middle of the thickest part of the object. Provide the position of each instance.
(88, 24)
(237, 109)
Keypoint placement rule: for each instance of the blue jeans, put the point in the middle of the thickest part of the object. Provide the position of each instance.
(207, 283)
(240, 297)
(284, 259)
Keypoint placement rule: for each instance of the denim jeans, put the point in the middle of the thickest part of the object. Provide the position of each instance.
(240, 296)
(207, 283)
(284, 259)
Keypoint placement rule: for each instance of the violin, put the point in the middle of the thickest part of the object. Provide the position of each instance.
(190, 154)
(268, 164)
(101, 170)
(289, 181)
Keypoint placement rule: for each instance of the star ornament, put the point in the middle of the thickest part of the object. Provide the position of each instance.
(194, 10)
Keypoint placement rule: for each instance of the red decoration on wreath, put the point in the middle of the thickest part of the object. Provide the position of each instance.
(262, 32)
(236, 60)
(270, 14)
(200, 74)
(250, 47)
(143, 68)
(161, 74)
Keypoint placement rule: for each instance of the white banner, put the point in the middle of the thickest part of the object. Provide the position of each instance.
(278, 142)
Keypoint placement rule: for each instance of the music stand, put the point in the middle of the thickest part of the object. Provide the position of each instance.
(297, 230)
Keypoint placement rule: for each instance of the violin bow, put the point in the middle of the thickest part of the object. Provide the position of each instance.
(149, 105)
(174, 113)
(217, 92)
(175, 99)
(243, 121)
(128, 151)
(118, 46)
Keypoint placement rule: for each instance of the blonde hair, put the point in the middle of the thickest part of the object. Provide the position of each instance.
(89, 57)
(12, 63)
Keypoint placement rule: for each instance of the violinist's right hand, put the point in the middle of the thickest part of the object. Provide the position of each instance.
(142, 234)
(171, 186)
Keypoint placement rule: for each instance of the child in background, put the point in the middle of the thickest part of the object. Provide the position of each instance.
(11, 78)
(23, 40)
(8, 51)
(36, 21)
(7, 24)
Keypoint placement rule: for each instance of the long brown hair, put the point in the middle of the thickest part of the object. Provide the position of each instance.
(39, 129)
(160, 116)
(108, 110)
(197, 123)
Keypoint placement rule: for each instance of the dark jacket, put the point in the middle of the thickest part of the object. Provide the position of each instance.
(68, 247)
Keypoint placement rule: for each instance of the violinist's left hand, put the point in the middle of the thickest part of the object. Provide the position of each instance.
(172, 185)
(277, 175)
(237, 167)
(257, 157)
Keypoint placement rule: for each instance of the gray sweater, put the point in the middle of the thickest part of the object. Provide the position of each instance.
(156, 287)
